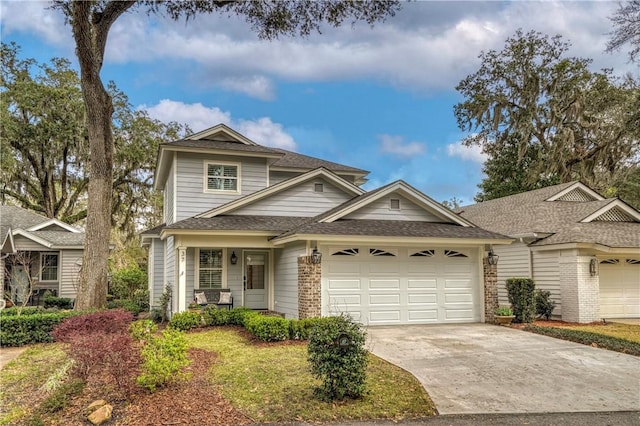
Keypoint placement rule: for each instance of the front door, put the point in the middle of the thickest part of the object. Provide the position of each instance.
(256, 282)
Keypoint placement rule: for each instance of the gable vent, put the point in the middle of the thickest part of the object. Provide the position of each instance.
(576, 195)
(615, 214)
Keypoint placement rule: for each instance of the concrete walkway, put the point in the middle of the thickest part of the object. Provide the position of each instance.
(9, 354)
(480, 368)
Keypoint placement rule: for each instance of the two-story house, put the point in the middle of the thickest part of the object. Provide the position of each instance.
(297, 235)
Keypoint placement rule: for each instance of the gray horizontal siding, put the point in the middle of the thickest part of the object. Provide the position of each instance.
(156, 276)
(286, 278)
(514, 262)
(191, 197)
(70, 262)
(25, 244)
(379, 210)
(169, 194)
(300, 200)
(546, 274)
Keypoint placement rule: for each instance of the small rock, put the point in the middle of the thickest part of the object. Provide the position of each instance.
(94, 406)
(101, 415)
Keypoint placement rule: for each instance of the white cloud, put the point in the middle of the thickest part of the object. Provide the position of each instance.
(466, 153)
(200, 117)
(394, 145)
(426, 46)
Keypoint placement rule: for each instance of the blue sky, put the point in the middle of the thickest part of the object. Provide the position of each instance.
(380, 99)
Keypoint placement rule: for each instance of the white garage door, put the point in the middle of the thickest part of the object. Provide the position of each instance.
(382, 285)
(620, 288)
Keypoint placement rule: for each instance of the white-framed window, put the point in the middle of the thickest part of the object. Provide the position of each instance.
(380, 252)
(49, 266)
(221, 177)
(424, 253)
(210, 268)
(346, 252)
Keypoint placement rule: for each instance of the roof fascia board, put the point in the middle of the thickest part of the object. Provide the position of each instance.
(577, 185)
(162, 169)
(414, 195)
(302, 169)
(221, 128)
(281, 186)
(615, 203)
(215, 232)
(389, 240)
(591, 246)
(8, 237)
(215, 151)
(34, 238)
(54, 222)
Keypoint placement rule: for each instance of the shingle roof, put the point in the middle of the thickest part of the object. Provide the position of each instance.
(394, 228)
(13, 217)
(153, 231)
(288, 159)
(528, 212)
(276, 224)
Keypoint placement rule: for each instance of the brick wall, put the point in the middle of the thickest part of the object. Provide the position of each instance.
(309, 282)
(490, 290)
(579, 290)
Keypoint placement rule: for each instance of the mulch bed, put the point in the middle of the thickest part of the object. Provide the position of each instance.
(193, 402)
(556, 323)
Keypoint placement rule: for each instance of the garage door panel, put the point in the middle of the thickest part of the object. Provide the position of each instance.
(459, 314)
(384, 316)
(343, 268)
(384, 299)
(457, 283)
(416, 284)
(344, 284)
(423, 315)
(345, 300)
(421, 268)
(384, 268)
(458, 298)
(384, 284)
(423, 298)
(619, 290)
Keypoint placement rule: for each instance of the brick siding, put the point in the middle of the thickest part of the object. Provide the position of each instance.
(309, 282)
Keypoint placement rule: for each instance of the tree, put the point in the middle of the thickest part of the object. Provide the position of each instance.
(581, 124)
(626, 22)
(44, 145)
(90, 24)
(23, 269)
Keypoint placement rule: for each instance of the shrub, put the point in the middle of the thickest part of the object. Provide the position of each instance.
(19, 330)
(215, 316)
(239, 316)
(126, 304)
(103, 322)
(27, 310)
(58, 302)
(184, 321)
(268, 329)
(544, 304)
(125, 282)
(503, 311)
(342, 370)
(300, 329)
(163, 358)
(587, 338)
(142, 329)
(521, 297)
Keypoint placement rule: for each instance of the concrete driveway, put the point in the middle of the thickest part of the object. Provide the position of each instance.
(480, 368)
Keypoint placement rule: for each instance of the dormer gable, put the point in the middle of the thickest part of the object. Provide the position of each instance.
(578, 192)
(221, 133)
(54, 225)
(390, 202)
(615, 211)
(315, 178)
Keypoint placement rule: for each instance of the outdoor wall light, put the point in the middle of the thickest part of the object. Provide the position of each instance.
(316, 256)
(234, 258)
(492, 258)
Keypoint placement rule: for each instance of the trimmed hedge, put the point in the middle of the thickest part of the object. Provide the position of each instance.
(184, 321)
(587, 338)
(20, 330)
(239, 316)
(521, 297)
(268, 329)
(301, 329)
(215, 316)
(58, 302)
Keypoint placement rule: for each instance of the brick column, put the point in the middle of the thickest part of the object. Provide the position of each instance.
(309, 281)
(490, 290)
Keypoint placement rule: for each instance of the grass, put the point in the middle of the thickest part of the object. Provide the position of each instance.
(272, 383)
(621, 331)
(28, 380)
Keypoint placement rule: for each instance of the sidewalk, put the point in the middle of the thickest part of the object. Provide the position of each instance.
(8, 354)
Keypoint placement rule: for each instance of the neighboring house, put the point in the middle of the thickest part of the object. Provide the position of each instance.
(47, 249)
(297, 235)
(583, 248)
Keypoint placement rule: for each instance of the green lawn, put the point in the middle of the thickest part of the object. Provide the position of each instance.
(273, 383)
(622, 331)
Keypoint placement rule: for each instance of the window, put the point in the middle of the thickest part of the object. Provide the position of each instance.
(380, 252)
(222, 177)
(210, 268)
(48, 266)
(453, 253)
(610, 261)
(347, 252)
(394, 204)
(633, 261)
(318, 187)
(424, 253)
